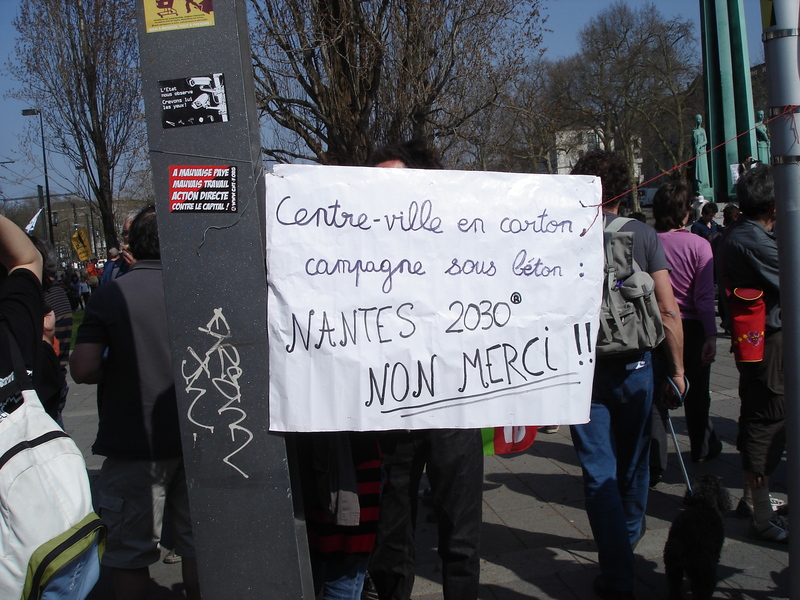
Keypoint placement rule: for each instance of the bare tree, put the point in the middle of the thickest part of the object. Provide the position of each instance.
(338, 77)
(78, 64)
(632, 82)
(537, 116)
(20, 212)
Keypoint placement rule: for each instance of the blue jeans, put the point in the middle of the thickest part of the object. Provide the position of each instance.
(613, 449)
(341, 577)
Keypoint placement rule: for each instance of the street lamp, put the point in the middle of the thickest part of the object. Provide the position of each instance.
(32, 112)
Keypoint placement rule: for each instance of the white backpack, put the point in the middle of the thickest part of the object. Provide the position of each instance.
(50, 537)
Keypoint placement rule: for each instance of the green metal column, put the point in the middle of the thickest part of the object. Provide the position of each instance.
(729, 97)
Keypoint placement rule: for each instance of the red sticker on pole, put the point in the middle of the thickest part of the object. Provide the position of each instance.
(194, 188)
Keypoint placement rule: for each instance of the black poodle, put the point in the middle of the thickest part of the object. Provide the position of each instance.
(695, 539)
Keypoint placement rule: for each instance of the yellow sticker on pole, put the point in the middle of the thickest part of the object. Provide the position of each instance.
(166, 15)
(80, 241)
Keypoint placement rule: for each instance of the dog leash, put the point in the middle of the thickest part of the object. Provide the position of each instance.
(682, 397)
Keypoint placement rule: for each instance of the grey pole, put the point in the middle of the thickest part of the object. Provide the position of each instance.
(783, 84)
(205, 150)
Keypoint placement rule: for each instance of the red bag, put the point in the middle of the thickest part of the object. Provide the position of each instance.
(748, 319)
(507, 440)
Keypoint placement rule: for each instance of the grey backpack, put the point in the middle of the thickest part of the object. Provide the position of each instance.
(630, 321)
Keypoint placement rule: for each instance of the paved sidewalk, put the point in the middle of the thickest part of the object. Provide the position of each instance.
(536, 540)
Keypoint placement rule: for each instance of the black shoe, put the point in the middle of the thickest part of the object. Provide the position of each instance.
(369, 592)
(606, 593)
(713, 452)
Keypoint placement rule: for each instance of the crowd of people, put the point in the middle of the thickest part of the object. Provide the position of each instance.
(360, 490)
(79, 281)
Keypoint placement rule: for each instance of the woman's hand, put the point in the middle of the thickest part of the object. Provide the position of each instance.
(709, 350)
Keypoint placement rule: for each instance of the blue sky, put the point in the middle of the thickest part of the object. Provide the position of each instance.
(566, 17)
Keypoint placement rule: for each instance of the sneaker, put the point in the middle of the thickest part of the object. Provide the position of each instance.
(774, 530)
(656, 477)
(778, 505)
(171, 558)
(745, 511)
(548, 429)
(713, 453)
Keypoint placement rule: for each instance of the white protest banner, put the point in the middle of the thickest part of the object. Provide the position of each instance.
(413, 299)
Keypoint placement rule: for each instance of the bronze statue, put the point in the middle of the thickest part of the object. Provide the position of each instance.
(762, 139)
(699, 145)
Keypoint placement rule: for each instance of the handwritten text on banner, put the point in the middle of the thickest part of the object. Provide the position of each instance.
(411, 299)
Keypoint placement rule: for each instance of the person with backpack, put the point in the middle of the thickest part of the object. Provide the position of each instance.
(21, 298)
(51, 540)
(613, 447)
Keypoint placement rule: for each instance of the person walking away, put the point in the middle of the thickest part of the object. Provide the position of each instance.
(748, 256)
(123, 345)
(692, 276)
(613, 447)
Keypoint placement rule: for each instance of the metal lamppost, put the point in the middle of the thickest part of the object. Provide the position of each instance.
(31, 112)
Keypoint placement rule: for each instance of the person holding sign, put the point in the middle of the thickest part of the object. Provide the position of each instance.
(454, 462)
(614, 446)
(340, 477)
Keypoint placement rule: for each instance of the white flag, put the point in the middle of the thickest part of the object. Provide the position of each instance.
(32, 224)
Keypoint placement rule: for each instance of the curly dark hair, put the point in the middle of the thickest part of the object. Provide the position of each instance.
(414, 154)
(143, 236)
(613, 172)
(671, 203)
